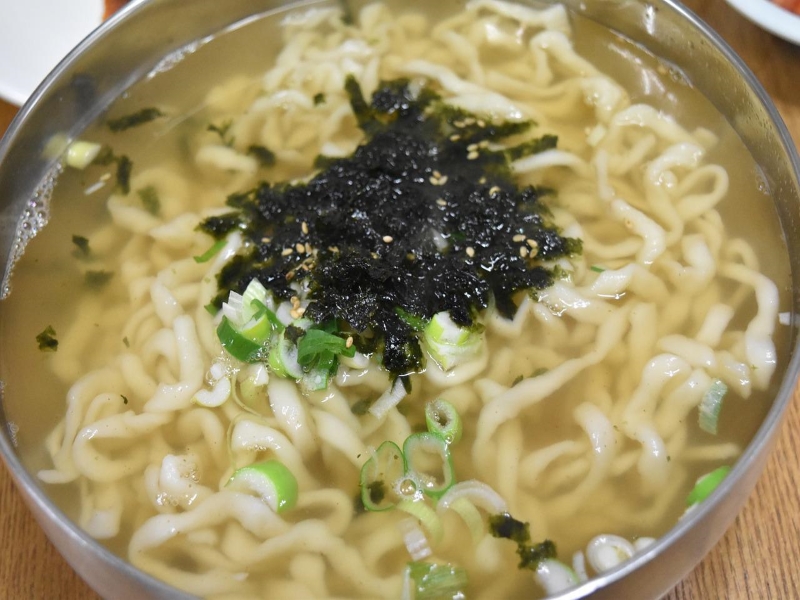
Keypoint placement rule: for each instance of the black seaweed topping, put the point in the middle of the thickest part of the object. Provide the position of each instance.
(423, 217)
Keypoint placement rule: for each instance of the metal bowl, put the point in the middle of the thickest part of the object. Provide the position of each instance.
(126, 48)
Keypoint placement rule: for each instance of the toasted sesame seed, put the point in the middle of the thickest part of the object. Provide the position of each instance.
(437, 174)
(266, 240)
(308, 248)
(472, 147)
(455, 137)
(472, 156)
(443, 180)
(299, 247)
(470, 251)
(290, 275)
(523, 251)
(411, 256)
(481, 123)
(287, 251)
(334, 249)
(387, 239)
(519, 237)
(375, 255)
(300, 311)
(483, 144)
(349, 341)
(469, 121)
(482, 180)
(304, 227)
(494, 189)
(294, 314)
(441, 202)
(532, 243)
(295, 301)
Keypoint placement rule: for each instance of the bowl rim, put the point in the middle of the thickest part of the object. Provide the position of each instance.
(758, 446)
(768, 15)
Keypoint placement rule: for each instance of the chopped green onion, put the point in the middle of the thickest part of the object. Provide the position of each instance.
(711, 405)
(211, 252)
(274, 321)
(236, 344)
(377, 475)
(317, 342)
(449, 344)
(443, 420)
(416, 323)
(425, 515)
(80, 153)
(706, 484)
(282, 357)
(427, 453)
(597, 269)
(436, 581)
(554, 576)
(472, 517)
(270, 480)
(254, 293)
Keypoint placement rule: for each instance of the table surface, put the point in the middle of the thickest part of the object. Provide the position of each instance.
(758, 556)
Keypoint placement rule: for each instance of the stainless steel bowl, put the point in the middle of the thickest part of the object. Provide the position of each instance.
(127, 47)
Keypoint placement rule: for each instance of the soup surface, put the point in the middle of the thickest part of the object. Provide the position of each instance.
(364, 423)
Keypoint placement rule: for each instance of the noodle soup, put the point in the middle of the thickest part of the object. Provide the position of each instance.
(588, 411)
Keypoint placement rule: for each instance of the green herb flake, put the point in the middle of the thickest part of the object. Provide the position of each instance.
(150, 200)
(126, 342)
(319, 99)
(47, 340)
(81, 246)
(597, 269)
(124, 399)
(211, 309)
(97, 279)
(134, 119)
(264, 156)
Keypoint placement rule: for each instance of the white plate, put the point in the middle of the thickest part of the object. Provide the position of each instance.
(771, 17)
(35, 35)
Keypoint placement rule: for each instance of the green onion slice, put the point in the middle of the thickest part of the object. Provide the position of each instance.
(270, 480)
(378, 474)
(282, 358)
(443, 420)
(706, 484)
(236, 344)
(432, 581)
(449, 344)
(711, 405)
(428, 460)
(211, 252)
(420, 510)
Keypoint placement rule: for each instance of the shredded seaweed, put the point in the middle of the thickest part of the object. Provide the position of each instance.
(423, 217)
(140, 117)
(319, 99)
